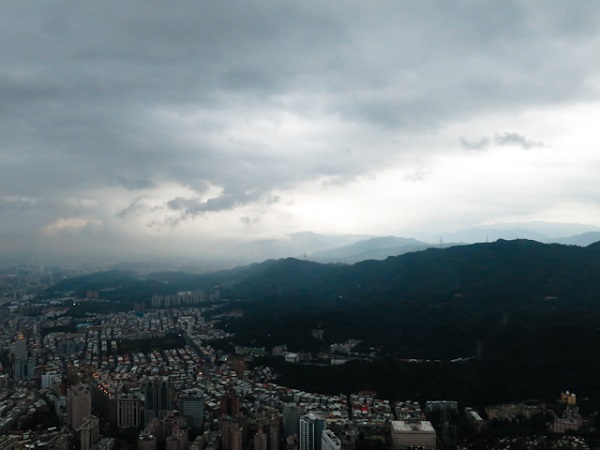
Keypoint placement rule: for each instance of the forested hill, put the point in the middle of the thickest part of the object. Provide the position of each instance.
(532, 310)
(502, 273)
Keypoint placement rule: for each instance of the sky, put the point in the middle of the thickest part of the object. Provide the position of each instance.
(138, 129)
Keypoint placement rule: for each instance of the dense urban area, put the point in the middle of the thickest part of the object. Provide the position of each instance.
(164, 376)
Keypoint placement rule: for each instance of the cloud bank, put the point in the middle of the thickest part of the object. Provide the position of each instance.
(129, 126)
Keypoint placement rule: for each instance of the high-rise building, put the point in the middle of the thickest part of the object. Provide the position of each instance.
(20, 349)
(157, 398)
(24, 367)
(89, 432)
(320, 425)
(230, 404)
(177, 441)
(191, 406)
(236, 437)
(310, 429)
(306, 433)
(226, 429)
(79, 404)
(104, 398)
(128, 411)
(274, 434)
(291, 417)
(260, 440)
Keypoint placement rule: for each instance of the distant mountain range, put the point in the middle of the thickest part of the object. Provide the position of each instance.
(547, 232)
(383, 247)
(350, 249)
(373, 248)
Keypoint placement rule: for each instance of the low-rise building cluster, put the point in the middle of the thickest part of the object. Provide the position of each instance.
(102, 375)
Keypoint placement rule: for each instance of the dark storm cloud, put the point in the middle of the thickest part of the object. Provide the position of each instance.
(191, 207)
(138, 204)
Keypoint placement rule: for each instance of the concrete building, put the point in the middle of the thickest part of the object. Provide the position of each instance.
(104, 399)
(230, 404)
(260, 440)
(226, 427)
(20, 348)
(157, 398)
(511, 411)
(474, 419)
(291, 358)
(413, 434)
(24, 368)
(89, 432)
(291, 419)
(177, 441)
(329, 441)
(191, 406)
(274, 434)
(128, 411)
(146, 442)
(441, 406)
(310, 429)
(79, 405)
(237, 438)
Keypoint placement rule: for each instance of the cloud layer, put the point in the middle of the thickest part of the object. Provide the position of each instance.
(136, 125)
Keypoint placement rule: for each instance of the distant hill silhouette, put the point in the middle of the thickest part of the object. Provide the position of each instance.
(373, 248)
(583, 239)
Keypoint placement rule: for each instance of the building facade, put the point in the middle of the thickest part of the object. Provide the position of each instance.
(79, 404)
(413, 434)
(89, 432)
(157, 398)
(310, 429)
(329, 441)
(191, 406)
(128, 411)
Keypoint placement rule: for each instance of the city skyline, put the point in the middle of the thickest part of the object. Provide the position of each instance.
(152, 130)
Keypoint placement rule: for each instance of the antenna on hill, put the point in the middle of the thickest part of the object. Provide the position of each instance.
(441, 241)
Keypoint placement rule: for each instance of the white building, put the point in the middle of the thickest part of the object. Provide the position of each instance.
(329, 441)
(311, 428)
(89, 432)
(413, 433)
(292, 358)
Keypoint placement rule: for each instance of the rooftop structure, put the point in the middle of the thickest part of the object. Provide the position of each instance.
(413, 434)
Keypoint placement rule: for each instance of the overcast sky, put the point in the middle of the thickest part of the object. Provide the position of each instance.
(135, 128)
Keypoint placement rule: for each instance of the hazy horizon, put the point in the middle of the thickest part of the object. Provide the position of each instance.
(312, 246)
(148, 130)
